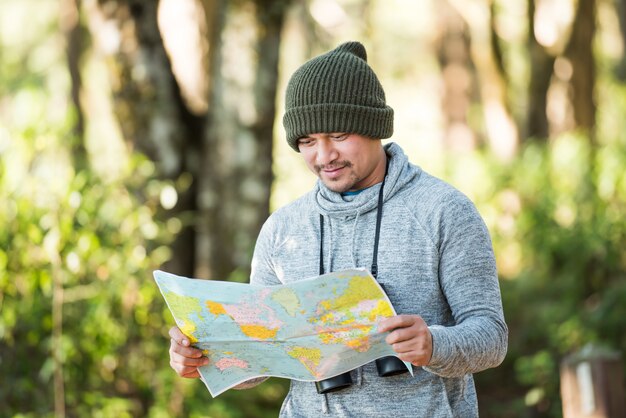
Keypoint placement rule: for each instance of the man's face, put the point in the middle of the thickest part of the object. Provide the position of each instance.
(344, 162)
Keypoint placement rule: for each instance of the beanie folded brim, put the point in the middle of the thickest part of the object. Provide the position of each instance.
(375, 123)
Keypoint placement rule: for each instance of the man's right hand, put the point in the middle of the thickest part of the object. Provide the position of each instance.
(185, 359)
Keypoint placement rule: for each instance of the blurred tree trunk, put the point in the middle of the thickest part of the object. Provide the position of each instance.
(579, 52)
(146, 96)
(235, 179)
(496, 48)
(541, 69)
(223, 155)
(620, 7)
(72, 30)
(500, 128)
(453, 48)
(148, 104)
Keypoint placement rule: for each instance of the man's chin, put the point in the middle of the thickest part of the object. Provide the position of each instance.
(336, 186)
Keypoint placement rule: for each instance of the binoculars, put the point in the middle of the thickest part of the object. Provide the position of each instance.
(386, 366)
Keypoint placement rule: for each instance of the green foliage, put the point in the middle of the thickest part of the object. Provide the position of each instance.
(99, 241)
(93, 239)
(84, 241)
(557, 222)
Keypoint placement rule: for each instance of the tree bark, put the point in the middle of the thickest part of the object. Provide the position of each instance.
(69, 23)
(459, 78)
(496, 48)
(501, 131)
(147, 99)
(148, 105)
(235, 181)
(620, 7)
(579, 51)
(226, 152)
(541, 69)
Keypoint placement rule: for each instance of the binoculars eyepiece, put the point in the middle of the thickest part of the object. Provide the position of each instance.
(386, 366)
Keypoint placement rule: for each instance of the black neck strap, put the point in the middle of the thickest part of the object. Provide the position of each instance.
(379, 217)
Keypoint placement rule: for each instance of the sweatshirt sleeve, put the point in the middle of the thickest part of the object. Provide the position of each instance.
(478, 338)
(262, 268)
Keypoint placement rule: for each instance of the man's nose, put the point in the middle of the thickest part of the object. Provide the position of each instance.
(326, 152)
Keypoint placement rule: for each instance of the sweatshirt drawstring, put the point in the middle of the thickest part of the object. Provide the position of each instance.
(359, 376)
(330, 246)
(352, 251)
(325, 408)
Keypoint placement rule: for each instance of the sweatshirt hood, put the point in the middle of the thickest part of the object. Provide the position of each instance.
(400, 173)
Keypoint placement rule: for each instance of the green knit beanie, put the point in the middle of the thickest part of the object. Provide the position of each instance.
(336, 92)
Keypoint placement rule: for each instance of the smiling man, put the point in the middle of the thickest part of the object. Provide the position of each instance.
(343, 161)
(423, 241)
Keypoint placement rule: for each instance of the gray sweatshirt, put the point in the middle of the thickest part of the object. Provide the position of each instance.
(435, 259)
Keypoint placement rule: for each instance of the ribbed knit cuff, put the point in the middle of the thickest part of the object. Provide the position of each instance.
(375, 123)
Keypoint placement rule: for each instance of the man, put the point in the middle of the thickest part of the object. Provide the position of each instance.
(423, 240)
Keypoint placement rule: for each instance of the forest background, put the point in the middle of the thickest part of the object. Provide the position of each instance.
(137, 135)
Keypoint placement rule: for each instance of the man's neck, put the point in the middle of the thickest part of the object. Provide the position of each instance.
(353, 192)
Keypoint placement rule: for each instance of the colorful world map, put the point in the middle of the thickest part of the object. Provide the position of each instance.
(307, 330)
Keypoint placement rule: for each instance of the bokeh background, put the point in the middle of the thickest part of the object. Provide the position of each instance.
(137, 135)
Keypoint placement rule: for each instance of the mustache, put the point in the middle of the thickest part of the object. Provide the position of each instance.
(332, 166)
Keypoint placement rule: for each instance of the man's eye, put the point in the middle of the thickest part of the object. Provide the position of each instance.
(339, 137)
(304, 141)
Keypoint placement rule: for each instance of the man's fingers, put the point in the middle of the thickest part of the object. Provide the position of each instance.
(184, 351)
(406, 334)
(415, 346)
(178, 336)
(403, 347)
(187, 361)
(185, 371)
(399, 335)
(398, 321)
(186, 366)
(191, 375)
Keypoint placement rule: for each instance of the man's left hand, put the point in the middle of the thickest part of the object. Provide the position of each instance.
(409, 337)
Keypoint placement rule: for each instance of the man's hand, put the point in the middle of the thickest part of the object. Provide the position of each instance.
(409, 337)
(184, 359)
